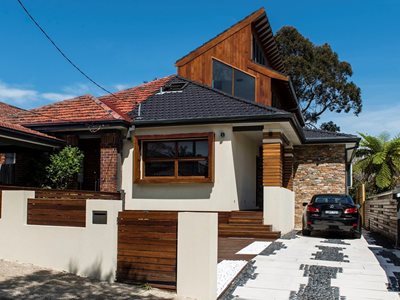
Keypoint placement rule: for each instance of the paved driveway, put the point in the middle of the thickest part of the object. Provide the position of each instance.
(298, 267)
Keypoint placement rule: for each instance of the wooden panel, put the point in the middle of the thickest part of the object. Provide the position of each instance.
(381, 215)
(75, 194)
(147, 248)
(57, 212)
(272, 164)
(234, 50)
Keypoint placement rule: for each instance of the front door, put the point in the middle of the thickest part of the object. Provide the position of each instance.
(91, 164)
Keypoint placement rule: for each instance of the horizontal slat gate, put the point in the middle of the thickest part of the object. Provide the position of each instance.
(147, 248)
(57, 212)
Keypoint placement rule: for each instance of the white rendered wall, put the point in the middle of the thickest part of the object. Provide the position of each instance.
(222, 195)
(245, 151)
(89, 251)
(197, 255)
(279, 208)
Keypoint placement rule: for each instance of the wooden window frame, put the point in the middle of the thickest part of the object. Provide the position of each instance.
(138, 162)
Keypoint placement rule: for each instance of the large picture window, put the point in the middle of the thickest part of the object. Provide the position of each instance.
(174, 158)
(233, 81)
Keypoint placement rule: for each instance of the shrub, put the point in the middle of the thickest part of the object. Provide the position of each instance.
(64, 166)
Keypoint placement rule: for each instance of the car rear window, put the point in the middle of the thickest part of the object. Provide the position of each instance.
(332, 199)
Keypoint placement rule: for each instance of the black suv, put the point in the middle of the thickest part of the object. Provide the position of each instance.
(332, 212)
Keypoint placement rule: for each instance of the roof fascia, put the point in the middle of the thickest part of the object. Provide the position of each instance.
(28, 138)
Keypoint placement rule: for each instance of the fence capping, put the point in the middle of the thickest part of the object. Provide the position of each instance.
(380, 195)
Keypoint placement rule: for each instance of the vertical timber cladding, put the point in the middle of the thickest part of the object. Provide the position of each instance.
(147, 248)
(272, 159)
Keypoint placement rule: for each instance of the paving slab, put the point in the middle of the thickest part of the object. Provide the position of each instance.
(320, 268)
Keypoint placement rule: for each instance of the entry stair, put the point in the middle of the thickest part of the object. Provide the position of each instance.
(245, 224)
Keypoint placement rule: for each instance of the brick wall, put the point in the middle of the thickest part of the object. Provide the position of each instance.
(109, 151)
(317, 169)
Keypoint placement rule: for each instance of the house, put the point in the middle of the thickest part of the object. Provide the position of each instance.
(224, 134)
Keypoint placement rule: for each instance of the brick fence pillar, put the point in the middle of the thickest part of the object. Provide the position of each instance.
(109, 151)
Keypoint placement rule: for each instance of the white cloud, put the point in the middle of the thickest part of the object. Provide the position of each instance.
(17, 95)
(81, 89)
(56, 96)
(29, 97)
(373, 120)
(122, 86)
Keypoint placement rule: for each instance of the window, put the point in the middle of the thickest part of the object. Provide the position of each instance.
(233, 81)
(258, 53)
(174, 158)
(10, 158)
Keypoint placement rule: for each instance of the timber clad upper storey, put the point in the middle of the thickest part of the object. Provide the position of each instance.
(243, 61)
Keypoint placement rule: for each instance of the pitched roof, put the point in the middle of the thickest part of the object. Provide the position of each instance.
(84, 108)
(126, 100)
(199, 103)
(9, 112)
(318, 135)
(25, 130)
(263, 29)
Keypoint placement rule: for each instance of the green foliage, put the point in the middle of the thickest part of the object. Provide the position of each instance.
(64, 166)
(378, 162)
(320, 79)
(330, 126)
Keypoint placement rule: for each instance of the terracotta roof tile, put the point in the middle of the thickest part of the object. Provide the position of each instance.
(84, 108)
(126, 100)
(20, 128)
(9, 113)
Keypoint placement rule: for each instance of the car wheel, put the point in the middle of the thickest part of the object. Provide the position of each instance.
(305, 232)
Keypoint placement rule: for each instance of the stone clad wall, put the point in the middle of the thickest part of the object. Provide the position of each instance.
(317, 169)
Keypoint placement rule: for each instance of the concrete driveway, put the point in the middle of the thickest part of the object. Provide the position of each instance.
(297, 267)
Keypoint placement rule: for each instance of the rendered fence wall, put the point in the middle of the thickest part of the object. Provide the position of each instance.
(88, 251)
(279, 208)
(381, 215)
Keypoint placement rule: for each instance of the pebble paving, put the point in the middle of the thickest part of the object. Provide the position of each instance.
(304, 268)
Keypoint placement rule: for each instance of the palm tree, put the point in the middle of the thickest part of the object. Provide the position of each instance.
(378, 160)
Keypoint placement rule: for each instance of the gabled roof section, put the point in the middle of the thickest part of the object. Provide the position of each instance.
(320, 136)
(126, 100)
(197, 103)
(25, 130)
(9, 112)
(263, 29)
(84, 108)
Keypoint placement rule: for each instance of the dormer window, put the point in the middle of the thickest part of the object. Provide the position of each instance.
(233, 81)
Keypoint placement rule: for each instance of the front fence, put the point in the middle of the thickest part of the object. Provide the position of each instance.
(57, 212)
(381, 215)
(147, 248)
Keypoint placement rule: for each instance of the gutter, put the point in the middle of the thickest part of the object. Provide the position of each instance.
(53, 127)
(29, 138)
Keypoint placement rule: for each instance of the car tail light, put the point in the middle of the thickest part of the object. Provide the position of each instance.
(312, 209)
(352, 210)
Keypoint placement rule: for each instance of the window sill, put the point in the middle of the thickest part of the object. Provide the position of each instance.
(174, 180)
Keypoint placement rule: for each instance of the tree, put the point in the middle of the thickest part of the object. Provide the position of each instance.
(64, 166)
(320, 79)
(378, 161)
(330, 126)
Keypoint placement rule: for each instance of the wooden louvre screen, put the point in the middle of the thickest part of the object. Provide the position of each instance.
(147, 248)
(55, 212)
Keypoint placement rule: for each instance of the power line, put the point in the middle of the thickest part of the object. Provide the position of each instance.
(62, 52)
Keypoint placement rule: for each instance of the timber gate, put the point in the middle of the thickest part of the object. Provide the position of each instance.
(147, 248)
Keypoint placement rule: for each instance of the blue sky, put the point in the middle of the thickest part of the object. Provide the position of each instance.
(123, 43)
